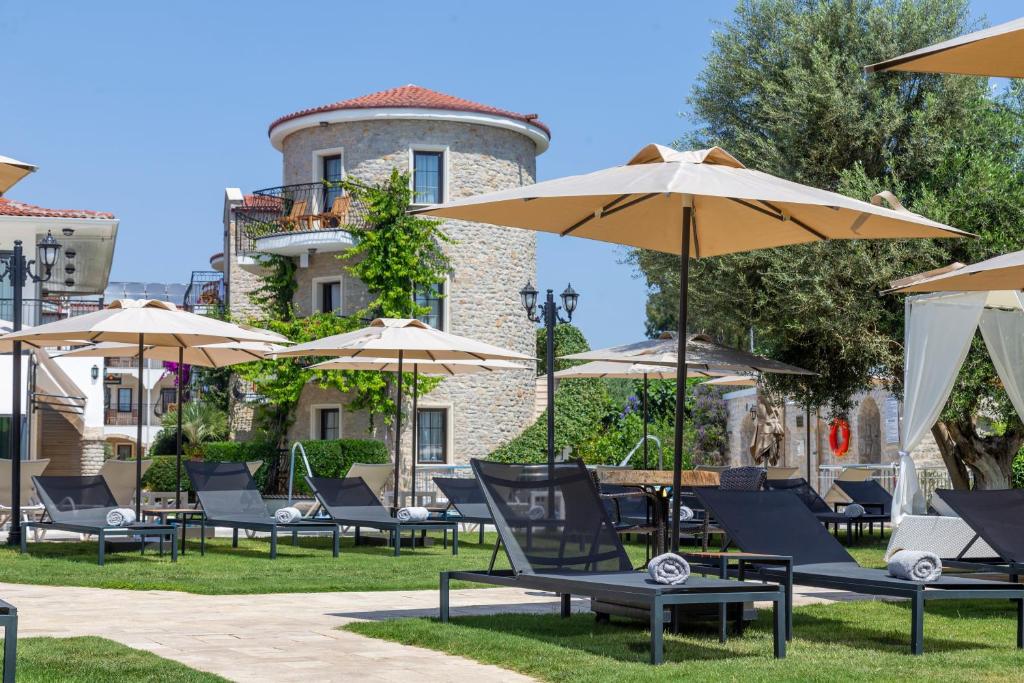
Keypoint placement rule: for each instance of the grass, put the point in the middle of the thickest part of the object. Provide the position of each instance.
(841, 641)
(88, 659)
(308, 568)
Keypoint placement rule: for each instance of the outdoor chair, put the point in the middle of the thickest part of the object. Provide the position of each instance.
(120, 477)
(467, 500)
(80, 505)
(870, 495)
(297, 218)
(338, 213)
(817, 505)
(559, 538)
(776, 522)
(375, 475)
(229, 498)
(351, 503)
(996, 519)
(732, 479)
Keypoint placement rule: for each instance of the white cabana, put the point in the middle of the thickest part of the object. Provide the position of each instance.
(939, 329)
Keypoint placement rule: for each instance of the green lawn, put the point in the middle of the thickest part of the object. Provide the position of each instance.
(88, 659)
(863, 641)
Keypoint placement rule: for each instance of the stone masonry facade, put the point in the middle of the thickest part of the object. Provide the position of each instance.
(489, 266)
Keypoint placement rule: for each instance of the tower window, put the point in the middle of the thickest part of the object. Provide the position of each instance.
(427, 177)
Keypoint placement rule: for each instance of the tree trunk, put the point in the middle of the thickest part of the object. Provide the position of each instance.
(989, 458)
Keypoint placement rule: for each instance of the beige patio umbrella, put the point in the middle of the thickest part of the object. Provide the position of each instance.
(210, 356)
(1004, 272)
(401, 339)
(696, 204)
(144, 323)
(448, 368)
(612, 370)
(11, 171)
(995, 51)
(733, 381)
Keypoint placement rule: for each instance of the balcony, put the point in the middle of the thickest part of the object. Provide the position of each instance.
(293, 219)
(47, 310)
(205, 293)
(153, 412)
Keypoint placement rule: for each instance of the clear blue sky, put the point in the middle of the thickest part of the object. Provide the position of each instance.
(149, 110)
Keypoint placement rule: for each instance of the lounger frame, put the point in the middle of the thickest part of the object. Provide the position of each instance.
(294, 529)
(9, 621)
(164, 531)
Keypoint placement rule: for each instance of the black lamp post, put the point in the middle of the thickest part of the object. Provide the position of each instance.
(548, 312)
(18, 271)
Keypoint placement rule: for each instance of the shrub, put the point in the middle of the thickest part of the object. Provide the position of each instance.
(1017, 471)
(243, 451)
(165, 441)
(160, 475)
(334, 458)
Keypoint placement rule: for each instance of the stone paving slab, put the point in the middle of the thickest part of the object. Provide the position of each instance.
(282, 637)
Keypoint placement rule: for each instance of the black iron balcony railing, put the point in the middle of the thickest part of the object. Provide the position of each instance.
(205, 293)
(124, 415)
(41, 311)
(306, 207)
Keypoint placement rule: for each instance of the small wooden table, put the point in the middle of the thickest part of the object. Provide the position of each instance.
(181, 518)
(711, 561)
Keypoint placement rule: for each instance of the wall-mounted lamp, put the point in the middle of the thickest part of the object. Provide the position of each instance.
(68, 232)
(95, 372)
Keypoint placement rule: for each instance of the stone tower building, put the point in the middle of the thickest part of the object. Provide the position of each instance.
(452, 148)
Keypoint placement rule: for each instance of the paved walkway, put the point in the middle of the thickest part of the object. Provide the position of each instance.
(282, 637)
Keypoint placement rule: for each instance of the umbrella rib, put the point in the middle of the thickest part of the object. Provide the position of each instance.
(777, 214)
(613, 208)
(583, 221)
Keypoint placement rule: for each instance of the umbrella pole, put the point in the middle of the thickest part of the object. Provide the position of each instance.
(646, 414)
(138, 432)
(677, 464)
(398, 431)
(415, 423)
(177, 450)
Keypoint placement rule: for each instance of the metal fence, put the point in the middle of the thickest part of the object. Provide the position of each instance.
(47, 310)
(929, 477)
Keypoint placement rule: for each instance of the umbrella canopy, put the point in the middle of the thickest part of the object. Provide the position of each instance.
(996, 51)
(733, 381)
(161, 323)
(1004, 272)
(734, 208)
(695, 204)
(11, 171)
(612, 370)
(209, 356)
(702, 355)
(407, 338)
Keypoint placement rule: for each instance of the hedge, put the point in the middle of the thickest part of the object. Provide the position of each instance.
(160, 475)
(334, 458)
(243, 451)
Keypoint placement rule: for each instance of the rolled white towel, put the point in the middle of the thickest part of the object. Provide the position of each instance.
(287, 515)
(669, 569)
(536, 512)
(915, 565)
(685, 513)
(854, 510)
(412, 514)
(121, 517)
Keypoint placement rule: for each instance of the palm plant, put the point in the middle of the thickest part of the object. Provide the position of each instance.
(200, 422)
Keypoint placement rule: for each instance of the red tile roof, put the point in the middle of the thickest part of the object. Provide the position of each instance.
(413, 96)
(10, 207)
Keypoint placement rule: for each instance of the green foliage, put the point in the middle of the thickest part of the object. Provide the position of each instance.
(333, 458)
(394, 252)
(165, 441)
(200, 422)
(1017, 477)
(568, 340)
(243, 451)
(782, 90)
(710, 423)
(277, 288)
(160, 475)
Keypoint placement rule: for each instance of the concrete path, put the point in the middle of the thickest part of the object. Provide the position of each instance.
(282, 637)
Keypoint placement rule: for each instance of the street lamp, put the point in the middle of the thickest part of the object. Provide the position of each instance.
(548, 313)
(17, 272)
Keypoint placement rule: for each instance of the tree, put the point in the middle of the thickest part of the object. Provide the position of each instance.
(782, 90)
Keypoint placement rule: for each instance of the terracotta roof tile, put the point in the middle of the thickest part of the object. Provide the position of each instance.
(10, 207)
(413, 96)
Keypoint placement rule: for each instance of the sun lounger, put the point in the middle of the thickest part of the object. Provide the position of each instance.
(466, 499)
(350, 502)
(997, 518)
(9, 620)
(776, 522)
(817, 505)
(120, 477)
(558, 538)
(31, 508)
(229, 498)
(80, 505)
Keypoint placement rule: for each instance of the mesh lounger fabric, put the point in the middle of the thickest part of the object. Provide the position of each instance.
(83, 501)
(996, 516)
(227, 492)
(869, 493)
(465, 496)
(947, 537)
(815, 503)
(350, 501)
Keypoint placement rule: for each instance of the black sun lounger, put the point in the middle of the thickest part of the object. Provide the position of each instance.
(80, 505)
(775, 522)
(997, 517)
(350, 502)
(820, 508)
(229, 498)
(466, 498)
(559, 538)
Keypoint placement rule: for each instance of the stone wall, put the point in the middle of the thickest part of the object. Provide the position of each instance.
(93, 455)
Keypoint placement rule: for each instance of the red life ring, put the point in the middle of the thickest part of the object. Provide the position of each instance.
(839, 437)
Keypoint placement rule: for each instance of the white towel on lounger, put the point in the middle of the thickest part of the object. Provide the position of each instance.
(854, 510)
(121, 517)
(669, 569)
(287, 515)
(412, 514)
(685, 513)
(915, 565)
(537, 512)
